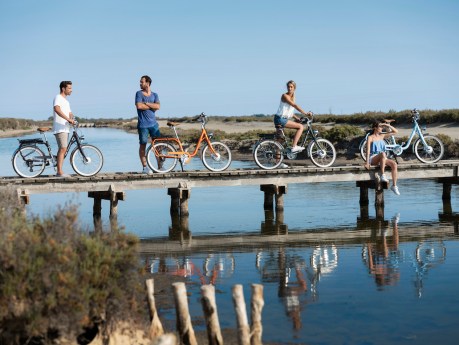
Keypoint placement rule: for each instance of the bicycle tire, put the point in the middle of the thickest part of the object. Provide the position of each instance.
(218, 160)
(34, 164)
(268, 154)
(363, 147)
(433, 153)
(89, 164)
(322, 153)
(161, 164)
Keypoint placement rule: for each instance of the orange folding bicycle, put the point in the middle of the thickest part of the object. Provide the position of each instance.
(162, 155)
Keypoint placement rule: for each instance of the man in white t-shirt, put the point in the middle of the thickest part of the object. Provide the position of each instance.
(62, 117)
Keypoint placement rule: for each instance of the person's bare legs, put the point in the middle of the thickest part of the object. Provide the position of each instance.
(60, 160)
(394, 171)
(382, 162)
(142, 157)
(299, 130)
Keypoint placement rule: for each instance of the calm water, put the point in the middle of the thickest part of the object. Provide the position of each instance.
(332, 274)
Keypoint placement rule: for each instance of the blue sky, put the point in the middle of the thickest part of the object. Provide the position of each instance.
(229, 57)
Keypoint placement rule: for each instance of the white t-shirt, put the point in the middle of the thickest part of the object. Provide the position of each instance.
(285, 110)
(60, 124)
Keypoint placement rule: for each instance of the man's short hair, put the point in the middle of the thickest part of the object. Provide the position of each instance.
(147, 79)
(64, 84)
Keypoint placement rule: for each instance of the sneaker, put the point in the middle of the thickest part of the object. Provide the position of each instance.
(296, 149)
(63, 175)
(146, 170)
(283, 166)
(395, 190)
(384, 178)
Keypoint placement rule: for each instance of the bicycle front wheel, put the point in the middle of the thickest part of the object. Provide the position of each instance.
(431, 152)
(164, 162)
(268, 154)
(86, 160)
(322, 153)
(219, 159)
(28, 161)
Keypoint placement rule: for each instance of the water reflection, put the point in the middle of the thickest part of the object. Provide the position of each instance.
(381, 254)
(298, 267)
(428, 255)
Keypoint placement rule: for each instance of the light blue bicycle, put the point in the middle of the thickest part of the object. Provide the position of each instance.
(427, 148)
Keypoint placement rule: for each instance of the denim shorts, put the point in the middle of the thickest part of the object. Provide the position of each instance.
(144, 132)
(279, 120)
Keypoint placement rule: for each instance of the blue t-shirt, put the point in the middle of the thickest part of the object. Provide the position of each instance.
(146, 118)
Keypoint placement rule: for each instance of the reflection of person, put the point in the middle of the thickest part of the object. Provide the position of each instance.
(146, 102)
(382, 258)
(291, 293)
(62, 116)
(286, 112)
(376, 154)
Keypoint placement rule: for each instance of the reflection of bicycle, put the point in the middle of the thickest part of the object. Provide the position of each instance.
(427, 148)
(270, 150)
(428, 254)
(30, 161)
(162, 155)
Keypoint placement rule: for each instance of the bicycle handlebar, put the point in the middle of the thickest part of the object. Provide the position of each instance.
(199, 117)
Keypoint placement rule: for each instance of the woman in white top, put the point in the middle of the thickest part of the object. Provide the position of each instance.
(286, 113)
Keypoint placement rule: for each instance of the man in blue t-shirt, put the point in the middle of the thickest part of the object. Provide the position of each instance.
(146, 102)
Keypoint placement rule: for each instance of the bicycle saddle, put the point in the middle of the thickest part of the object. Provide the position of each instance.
(172, 124)
(389, 120)
(43, 129)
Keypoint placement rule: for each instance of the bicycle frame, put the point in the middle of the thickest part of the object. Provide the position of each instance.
(415, 131)
(310, 135)
(203, 137)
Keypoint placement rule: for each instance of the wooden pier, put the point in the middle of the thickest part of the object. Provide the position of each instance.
(112, 186)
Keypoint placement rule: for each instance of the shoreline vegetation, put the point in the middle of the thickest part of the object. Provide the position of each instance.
(241, 132)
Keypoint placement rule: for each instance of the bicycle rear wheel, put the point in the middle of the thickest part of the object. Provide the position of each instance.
(322, 153)
(430, 153)
(164, 162)
(219, 159)
(87, 160)
(268, 154)
(28, 161)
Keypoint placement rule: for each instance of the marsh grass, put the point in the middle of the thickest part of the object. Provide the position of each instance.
(57, 279)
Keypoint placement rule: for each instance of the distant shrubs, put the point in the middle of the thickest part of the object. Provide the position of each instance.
(55, 279)
(10, 123)
(341, 132)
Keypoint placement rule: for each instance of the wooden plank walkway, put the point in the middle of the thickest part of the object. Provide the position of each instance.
(121, 181)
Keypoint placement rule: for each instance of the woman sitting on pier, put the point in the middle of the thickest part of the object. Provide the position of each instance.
(376, 152)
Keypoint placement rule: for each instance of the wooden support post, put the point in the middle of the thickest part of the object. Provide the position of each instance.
(379, 197)
(243, 330)
(209, 308)
(179, 200)
(97, 214)
(156, 328)
(257, 306)
(184, 327)
(112, 196)
(24, 197)
(272, 192)
(363, 196)
(446, 195)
